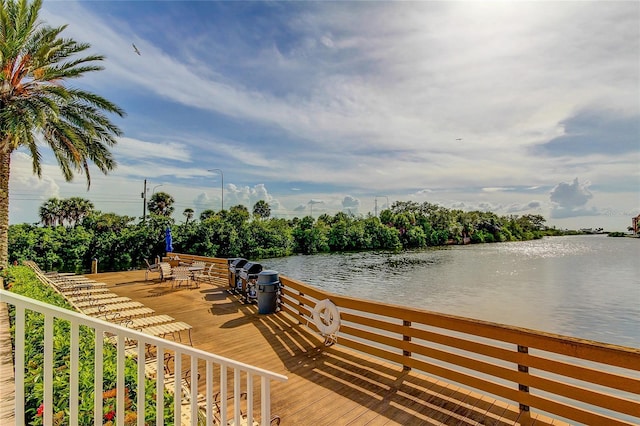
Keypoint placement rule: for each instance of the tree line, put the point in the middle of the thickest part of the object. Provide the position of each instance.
(71, 233)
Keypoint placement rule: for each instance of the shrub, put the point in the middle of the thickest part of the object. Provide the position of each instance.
(21, 280)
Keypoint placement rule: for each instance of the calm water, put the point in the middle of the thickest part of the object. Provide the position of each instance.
(581, 286)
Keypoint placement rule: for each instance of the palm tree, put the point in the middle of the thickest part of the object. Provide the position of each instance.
(188, 213)
(50, 212)
(77, 209)
(35, 103)
(206, 214)
(161, 204)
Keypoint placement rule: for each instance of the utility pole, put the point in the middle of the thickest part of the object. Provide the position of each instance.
(221, 185)
(376, 202)
(144, 202)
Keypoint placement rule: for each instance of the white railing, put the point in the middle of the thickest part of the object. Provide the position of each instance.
(217, 404)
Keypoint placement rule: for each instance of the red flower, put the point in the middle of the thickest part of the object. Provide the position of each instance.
(110, 415)
(40, 410)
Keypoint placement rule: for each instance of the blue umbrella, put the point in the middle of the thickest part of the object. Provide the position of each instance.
(168, 241)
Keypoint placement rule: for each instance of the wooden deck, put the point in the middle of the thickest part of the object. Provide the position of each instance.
(327, 385)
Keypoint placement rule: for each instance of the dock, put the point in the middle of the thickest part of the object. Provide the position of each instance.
(327, 385)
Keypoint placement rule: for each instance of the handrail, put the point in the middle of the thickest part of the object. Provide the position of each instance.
(571, 378)
(195, 358)
(576, 379)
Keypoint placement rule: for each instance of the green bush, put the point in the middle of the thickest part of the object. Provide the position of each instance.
(21, 280)
(118, 244)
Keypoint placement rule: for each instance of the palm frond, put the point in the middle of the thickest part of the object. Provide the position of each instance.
(35, 63)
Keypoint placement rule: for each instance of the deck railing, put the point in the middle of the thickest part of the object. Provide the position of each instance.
(573, 379)
(217, 397)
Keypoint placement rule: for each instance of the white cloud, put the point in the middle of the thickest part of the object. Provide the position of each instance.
(364, 98)
(570, 199)
(248, 196)
(571, 195)
(133, 149)
(351, 204)
(528, 207)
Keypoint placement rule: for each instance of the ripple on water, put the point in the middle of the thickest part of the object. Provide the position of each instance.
(583, 286)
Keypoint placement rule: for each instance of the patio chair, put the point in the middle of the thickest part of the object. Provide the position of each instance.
(114, 316)
(84, 299)
(180, 274)
(83, 291)
(174, 329)
(207, 274)
(145, 321)
(65, 287)
(199, 275)
(151, 268)
(166, 271)
(91, 301)
(102, 309)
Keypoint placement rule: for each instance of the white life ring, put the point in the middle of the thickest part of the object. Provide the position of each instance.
(326, 317)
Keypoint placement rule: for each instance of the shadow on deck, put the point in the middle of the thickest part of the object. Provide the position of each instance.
(327, 385)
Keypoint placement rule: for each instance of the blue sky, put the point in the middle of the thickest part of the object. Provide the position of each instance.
(510, 107)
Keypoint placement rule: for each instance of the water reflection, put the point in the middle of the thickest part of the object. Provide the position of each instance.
(583, 286)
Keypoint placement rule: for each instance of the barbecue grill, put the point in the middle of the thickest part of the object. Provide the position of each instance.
(235, 265)
(249, 277)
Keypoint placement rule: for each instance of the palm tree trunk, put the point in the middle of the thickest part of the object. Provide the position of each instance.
(5, 161)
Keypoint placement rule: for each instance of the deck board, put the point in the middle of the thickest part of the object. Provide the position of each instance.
(327, 385)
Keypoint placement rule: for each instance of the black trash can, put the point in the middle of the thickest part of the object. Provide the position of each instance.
(268, 287)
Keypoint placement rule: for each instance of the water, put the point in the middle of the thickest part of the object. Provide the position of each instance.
(580, 286)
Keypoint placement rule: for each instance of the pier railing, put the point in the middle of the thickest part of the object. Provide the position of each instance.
(570, 378)
(227, 391)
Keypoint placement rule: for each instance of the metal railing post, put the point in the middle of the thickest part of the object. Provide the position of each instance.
(405, 338)
(525, 410)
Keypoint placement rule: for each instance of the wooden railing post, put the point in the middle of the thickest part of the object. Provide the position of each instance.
(525, 410)
(405, 338)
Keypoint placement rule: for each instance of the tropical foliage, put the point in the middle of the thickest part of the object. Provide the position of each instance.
(60, 212)
(161, 204)
(118, 243)
(22, 280)
(261, 210)
(37, 105)
(188, 214)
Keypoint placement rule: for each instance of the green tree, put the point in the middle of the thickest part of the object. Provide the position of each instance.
(535, 222)
(237, 215)
(50, 212)
(380, 235)
(36, 104)
(74, 246)
(188, 213)
(77, 208)
(386, 217)
(206, 214)
(161, 204)
(267, 238)
(416, 238)
(310, 237)
(100, 222)
(261, 209)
